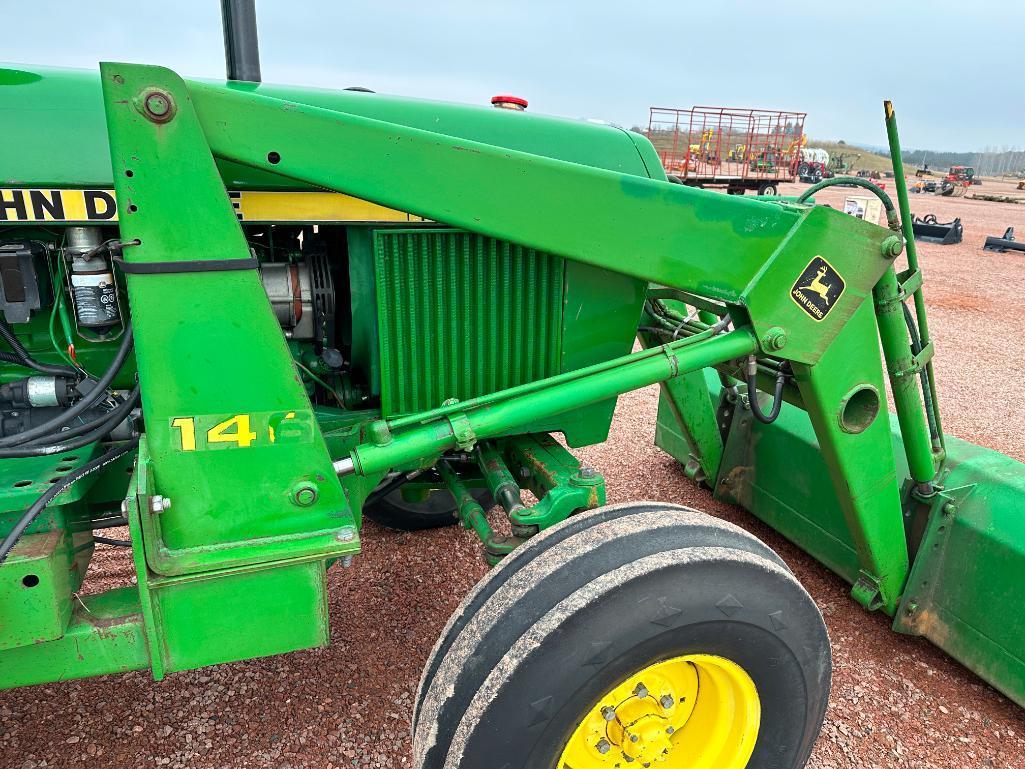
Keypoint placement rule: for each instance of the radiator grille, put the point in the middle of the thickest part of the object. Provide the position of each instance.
(461, 315)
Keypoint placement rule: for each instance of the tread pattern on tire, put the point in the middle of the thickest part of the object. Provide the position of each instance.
(654, 527)
(529, 643)
(506, 568)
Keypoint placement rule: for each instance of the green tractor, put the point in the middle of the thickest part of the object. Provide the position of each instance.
(238, 318)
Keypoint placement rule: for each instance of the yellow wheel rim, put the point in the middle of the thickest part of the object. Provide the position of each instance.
(692, 712)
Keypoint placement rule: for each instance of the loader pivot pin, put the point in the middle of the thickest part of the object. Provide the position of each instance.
(157, 106)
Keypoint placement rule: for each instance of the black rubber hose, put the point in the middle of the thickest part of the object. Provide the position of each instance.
(923, 375)
(40, 504)
(27, 360)
(123, 408)
(112, 420)
(892, 219)
(752, 393)
(52, 425)
(114, 542)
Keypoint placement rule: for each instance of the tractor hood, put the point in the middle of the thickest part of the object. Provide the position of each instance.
(55, 133)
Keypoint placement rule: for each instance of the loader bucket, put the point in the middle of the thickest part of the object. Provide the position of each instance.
(965, 590)
(928, 230)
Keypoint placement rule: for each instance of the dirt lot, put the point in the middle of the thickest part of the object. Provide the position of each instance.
(896, 702)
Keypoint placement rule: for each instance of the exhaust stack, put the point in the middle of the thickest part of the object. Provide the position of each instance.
(241, 46)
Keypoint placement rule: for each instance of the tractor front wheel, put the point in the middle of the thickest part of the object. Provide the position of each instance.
(647, 633)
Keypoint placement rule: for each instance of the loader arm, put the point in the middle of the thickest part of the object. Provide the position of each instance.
(766, 262)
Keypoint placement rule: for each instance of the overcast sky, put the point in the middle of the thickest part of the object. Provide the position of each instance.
(953, 69)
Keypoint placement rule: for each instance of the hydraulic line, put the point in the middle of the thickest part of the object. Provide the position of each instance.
(752, 392)
(21, 356)
(122, 407)
(540, 384)
(51, 426)
(923, 376)
(114, 542)
(40, 504)
(912, 253)
(89, 432)
(892, 220)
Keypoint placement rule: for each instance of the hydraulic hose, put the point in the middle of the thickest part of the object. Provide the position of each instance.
(83, 434)
(114, 542)
(122, 408)
(892, 219)
(923, 376)
(752, 392)
(40, 504)
(52, 425)
(21, 356)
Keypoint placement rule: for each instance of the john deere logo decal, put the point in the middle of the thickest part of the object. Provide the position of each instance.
(818, 289)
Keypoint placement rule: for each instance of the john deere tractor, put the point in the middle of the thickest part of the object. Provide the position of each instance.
(239, 318)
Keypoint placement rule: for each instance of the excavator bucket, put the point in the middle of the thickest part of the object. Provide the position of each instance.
(929, 230)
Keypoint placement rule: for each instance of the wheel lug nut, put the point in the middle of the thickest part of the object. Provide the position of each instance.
(603, 746)
(608, 713)
(666, 702)
(641, 691)
(670, 730)
(634, 738)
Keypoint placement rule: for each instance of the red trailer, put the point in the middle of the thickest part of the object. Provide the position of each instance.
(739, 149)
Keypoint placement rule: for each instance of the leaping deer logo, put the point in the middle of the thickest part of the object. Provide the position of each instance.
(818, 287)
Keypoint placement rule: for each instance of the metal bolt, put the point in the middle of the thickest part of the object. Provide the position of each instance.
(634, 738)
(775, 339)
(346, 534)
(588, 472)
(912, 608)
(608, 713)
(949, 509)
(666, 702)
(524, 472)
(124, 507)
(304, 494)
(346, 561)
(892, 247)
(670, 730)
(158, 104)
(641, 691)
(603, 747)
(158, 504)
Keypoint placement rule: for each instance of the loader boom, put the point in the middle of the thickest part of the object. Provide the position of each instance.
(755, 259)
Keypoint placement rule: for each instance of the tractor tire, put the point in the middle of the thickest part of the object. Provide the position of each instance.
(438, 510)
(767, 188)
(633, 590)
(802, 169)
(735, 191)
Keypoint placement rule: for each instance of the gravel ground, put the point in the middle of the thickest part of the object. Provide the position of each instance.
(896, 701)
